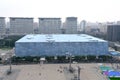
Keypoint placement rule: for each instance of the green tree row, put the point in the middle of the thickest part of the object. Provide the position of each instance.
(62, 59)
(9, 41)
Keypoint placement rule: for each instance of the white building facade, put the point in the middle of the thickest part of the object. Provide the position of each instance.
(71, 25)
(82, 26)
(2, 26)
(49, 25)
(21, 26)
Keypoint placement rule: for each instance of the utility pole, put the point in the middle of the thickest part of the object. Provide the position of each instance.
(70, 61)
(10, 55)
(79, 72)
(10, 66)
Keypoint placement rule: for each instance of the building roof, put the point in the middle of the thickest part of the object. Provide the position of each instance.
(2, 17)
(59, 38)
(115, 53)
(21, 18)
(49, 18)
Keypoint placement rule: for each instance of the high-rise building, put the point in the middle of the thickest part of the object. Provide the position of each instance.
(102, 27)
(90, 26)
(21, 26)
(82, 26)
(2, 26)
(35, 27)
(113, 33)
(63, 30)
(49, 25)
(71, 25)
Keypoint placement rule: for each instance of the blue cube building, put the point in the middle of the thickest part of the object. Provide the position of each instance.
(60, 44)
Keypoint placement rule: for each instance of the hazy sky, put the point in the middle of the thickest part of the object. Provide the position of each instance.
(90, 10)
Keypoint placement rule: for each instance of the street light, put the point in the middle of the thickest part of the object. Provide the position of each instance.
(70, 56)
(79, 72)
(10, 62)
(10, 65)
(70, 61)
(10, 55)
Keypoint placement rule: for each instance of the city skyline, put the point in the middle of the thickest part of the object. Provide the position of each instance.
(89, 10)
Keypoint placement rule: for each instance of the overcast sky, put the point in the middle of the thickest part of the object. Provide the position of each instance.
(90, 10)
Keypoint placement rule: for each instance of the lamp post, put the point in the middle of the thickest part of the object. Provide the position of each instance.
(79, 72)
(11, 52)
(9, 42)
(70, 61)
(70, 56)
(10, 66)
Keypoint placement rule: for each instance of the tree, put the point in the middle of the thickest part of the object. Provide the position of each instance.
(91, 57)
(50, 58)
(61, 59)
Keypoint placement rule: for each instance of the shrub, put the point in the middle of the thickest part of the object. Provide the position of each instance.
(91, 57)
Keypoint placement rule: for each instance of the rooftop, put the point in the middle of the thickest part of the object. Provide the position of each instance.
(59, 38)
(21, 18)
(49, 18)
(2, 17)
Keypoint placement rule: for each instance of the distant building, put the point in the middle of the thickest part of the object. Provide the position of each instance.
(49, 25)
(35, 27)
(71, 25)
(60, 44)
(91, 25)
(99, 28)
(118, 22)
(21, 26)
(2, 26)
(82, 26)
(63, 30)
(102, 27)
(113, 33)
